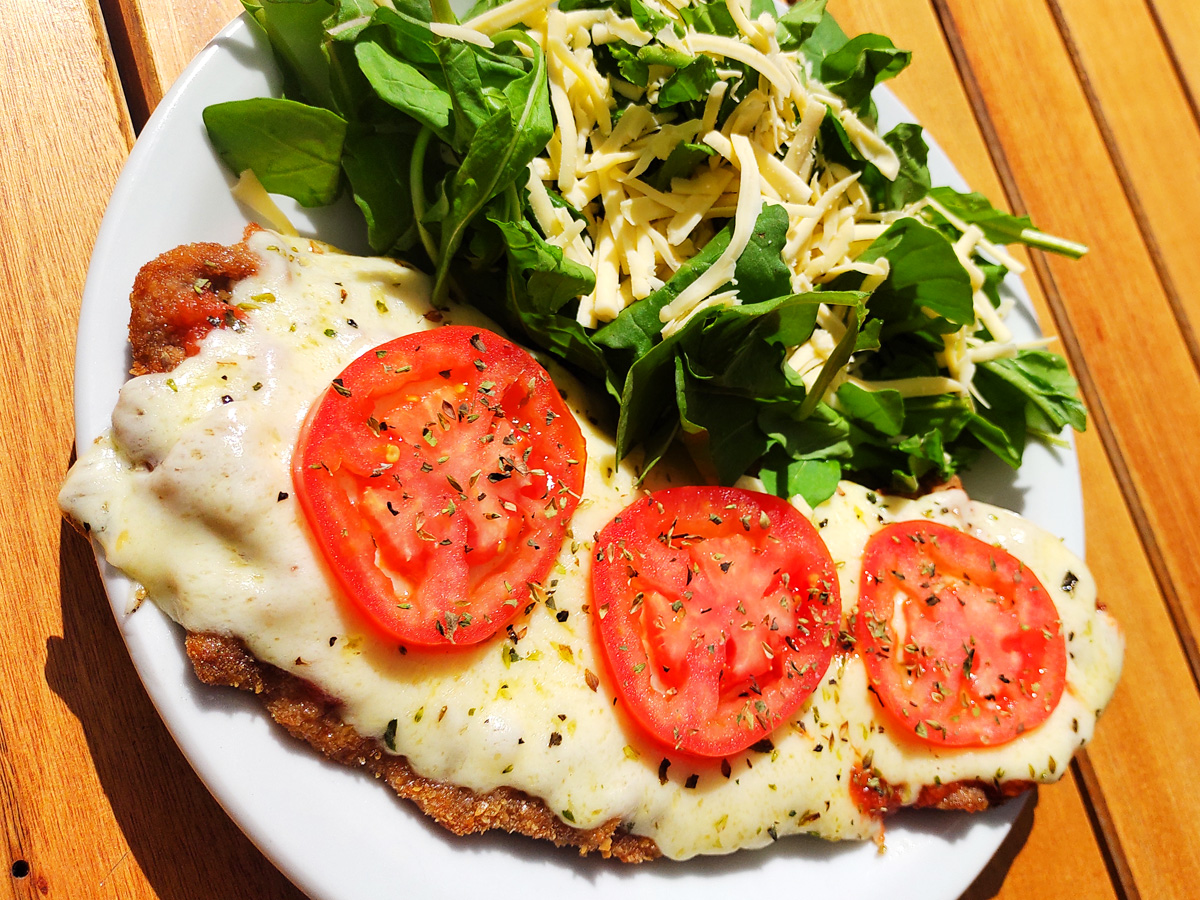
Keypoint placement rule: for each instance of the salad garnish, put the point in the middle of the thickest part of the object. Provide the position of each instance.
(689, 202)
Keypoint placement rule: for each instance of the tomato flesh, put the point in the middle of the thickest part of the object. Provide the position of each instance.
(438, 473)
(717, 612)
(961, 641)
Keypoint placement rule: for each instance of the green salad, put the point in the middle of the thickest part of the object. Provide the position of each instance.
(687, 202)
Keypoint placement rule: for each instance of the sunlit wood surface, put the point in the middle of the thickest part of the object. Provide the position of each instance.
(1082, 113)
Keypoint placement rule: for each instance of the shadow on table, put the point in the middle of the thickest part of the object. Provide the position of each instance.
(990, 880)
(184, 843)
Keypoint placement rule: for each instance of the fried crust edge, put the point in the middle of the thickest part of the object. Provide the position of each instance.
(311, 716)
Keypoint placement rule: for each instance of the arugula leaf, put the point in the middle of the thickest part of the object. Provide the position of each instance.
(658, 55)
(550, 280)
(377, 168)
(947, 413)
(823, 434)
(499, 153)
(294, 149)
(853, 70)
(760, 272)
(526, 300)
(868, 336)
(925, 452)
(629, 65)
(975, 209)
(815, 480)
(718, 371)
(680, 164)
(998, 226)
(797, 25)
(824, 39)
(1052, 395)
(353, 98)
(723, 427)
(692, 82)
(296, 32)
(911, 182)
(993, 278)
(882, 410)
(345, 11)
(710, 17)
(925, 275)
(645, 18)
(477, 81)
(407, 32)
(1000, 425)
(930, 440)
(404, 87)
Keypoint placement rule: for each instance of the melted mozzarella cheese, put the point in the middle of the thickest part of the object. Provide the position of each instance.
(1094, 644)
(186, 495)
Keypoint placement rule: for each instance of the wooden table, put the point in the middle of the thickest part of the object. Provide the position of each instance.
(1083, 113)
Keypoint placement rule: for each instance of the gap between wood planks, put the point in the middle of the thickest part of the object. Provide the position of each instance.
(1122, 169)
(1119, 871)
(1105, 833)
(128, 71)
(1173, 55)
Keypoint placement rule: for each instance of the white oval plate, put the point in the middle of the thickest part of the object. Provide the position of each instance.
(335, 832)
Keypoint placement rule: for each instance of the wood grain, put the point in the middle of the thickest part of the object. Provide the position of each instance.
(1178, 23)
(1155, 150)
(160, 38)
(52, 190)
(1155, 147)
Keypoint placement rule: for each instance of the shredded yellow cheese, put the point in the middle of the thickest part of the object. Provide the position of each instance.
(249, 190)
(461, 33)
(634, 234)
(515, 12)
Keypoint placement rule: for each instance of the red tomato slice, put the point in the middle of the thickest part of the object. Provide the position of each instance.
(439, 472)
(975, 654)
(717, 611)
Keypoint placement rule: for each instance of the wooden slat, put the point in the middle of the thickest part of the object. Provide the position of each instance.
(931, 89)
(1147, 733)
(50, 215)
(1155, 149)
(1179, 23)
(162, 36)
(1155, 146)
(1050, 141)
(94, 797)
